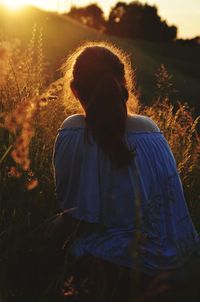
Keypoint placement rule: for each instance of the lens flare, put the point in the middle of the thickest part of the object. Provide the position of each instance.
(13, 4)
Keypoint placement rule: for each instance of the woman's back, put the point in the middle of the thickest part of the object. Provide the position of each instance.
(99, 192)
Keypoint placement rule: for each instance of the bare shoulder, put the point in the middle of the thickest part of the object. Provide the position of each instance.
(141, 123)
(75, 120)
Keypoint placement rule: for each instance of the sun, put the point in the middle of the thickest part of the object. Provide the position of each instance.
(14, 4)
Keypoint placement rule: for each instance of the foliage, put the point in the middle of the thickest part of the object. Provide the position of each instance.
(22, 198)
(31, 113)
(182, 62)
(181, 130)
(164, 83)
(134, 20)
(19, 99)
(194, 42)
(182, 133)
(139, 21)
(90, 15)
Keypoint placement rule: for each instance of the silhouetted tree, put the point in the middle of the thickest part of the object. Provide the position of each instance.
(190, 42)
(139, 21)
(91, 15)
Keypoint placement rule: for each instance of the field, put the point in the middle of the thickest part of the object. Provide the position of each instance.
(62, 34)
(33, 105)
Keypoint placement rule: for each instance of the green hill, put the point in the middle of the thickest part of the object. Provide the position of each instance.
(62, 34)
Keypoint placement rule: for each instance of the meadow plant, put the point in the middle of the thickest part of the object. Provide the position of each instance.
(181, 131)
(22, 82)
(20, 124)
(176, 120)
(164, 83)
(30, 114)
(5, 55)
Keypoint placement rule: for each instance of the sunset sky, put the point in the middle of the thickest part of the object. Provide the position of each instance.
(183, 13)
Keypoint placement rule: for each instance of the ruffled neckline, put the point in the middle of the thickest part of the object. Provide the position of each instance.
(126, 132)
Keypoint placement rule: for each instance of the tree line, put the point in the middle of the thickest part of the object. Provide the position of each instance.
(130, 20)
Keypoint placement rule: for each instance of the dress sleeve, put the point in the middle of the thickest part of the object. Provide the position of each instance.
(165, 218)
(77, 175)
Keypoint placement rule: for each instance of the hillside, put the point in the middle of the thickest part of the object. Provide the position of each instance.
(62, 34)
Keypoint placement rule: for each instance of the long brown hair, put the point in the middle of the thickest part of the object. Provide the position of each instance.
(102, 76)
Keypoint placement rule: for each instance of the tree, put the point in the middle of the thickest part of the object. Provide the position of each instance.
(190, 42)
(91, 15)
(139, 21)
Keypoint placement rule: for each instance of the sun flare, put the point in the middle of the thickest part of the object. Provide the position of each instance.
(14, 4)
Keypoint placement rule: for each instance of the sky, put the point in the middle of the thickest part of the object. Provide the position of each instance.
(185, 14)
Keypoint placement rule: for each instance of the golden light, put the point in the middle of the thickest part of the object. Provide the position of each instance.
(14, 4)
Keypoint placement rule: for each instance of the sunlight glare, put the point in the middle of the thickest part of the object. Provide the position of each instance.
(14, 4)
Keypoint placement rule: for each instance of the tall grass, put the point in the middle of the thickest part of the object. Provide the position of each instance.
(31, 111)
(181, 130)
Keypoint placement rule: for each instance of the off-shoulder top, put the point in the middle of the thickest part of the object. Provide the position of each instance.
(98, 192)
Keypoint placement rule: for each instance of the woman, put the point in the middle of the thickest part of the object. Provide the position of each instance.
(115, 174)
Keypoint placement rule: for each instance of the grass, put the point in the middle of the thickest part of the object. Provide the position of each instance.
(62, 34)
(32, 111)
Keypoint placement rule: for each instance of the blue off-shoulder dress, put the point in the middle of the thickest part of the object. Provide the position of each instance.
(98, 192)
